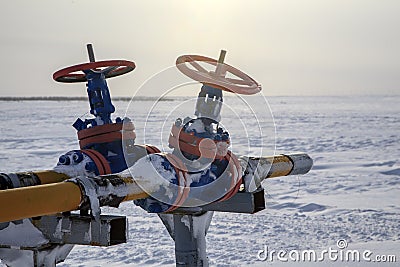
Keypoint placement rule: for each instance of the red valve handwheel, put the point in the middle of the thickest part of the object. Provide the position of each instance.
(244, 85)
(110, 68)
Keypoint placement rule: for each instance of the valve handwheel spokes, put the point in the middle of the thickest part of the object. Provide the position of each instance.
(110, 68)
(243, 84)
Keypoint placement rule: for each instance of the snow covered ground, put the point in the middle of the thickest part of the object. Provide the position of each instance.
(352, 193)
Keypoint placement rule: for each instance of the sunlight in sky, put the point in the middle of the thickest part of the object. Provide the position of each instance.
(291, 47)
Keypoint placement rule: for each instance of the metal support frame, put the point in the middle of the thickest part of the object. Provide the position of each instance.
(83, 229)
(59, 235)
(190, 239)
(189, 233)
(48, 255)
(188, 226)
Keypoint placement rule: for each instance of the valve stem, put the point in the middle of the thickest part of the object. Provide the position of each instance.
(222, 56)
(90, 52)
(220, 63)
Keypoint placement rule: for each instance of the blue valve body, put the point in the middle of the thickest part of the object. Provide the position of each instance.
(102, 108)
(99, 96)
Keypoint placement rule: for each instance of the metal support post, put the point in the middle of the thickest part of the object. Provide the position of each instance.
(190, 239)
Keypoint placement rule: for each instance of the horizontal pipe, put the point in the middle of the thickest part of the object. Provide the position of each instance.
(111, 190)
(40, 200)
(257, 169)
(49, 177)
(24, 179)
(274, 166)
(33, 201)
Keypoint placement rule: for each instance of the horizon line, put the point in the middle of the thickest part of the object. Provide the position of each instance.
(169, 98)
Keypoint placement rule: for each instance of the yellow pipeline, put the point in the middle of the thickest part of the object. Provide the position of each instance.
(56, 197)
(50, 177)
(139, 191)
(281, 165)
(32, 201)
(23, 179)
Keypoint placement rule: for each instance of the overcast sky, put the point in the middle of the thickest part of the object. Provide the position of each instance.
(299, 47)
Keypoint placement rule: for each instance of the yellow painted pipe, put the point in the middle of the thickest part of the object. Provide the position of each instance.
(280, 166)
(24, 179)
(56, 197)
(33, 201)
(257, 169)
(138, 191)
(50, 177)
(40, 200)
